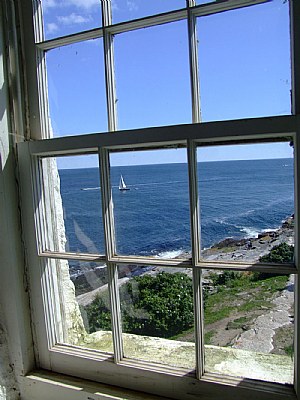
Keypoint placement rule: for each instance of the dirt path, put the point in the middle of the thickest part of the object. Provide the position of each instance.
(260, 337)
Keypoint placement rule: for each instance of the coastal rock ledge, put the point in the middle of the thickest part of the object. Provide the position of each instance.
(252, 248)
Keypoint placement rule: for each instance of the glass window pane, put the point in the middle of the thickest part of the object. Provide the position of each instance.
(76, 89)
(82, 310)
(157, 315)
(152, 76)
(244, 62)
(63, 17)
(152, 217)
(133, 9)
(77, 209)
(246, 201)
(249, 325)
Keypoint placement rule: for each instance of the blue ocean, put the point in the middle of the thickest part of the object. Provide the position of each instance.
(237, 199)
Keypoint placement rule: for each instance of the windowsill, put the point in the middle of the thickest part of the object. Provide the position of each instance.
(48, 386)
(221, 360)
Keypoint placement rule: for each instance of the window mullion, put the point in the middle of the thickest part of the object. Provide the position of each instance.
(295, 54)
(195, 235)
(295, 61)
(109, 67)
(115, 311)
(297, 260)
(193, 55)
(109, 235)
(45, 127)
(39, 203)
(44, 224)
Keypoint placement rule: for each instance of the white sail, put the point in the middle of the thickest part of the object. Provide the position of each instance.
(122, 185)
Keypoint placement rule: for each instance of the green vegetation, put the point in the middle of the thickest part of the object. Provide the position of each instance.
(242, 293)
(239, 323)
(98, 314)
(208, 336)
(225, 278)
(289, 350)
(283, 253)
(160, 305)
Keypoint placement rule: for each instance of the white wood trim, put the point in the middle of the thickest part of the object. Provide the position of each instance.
(221, 6)
(70, 39)
(194, 203)
(37, 17)
(41, 76)
(193, 56)
(43, 288)
(195, 245)
(49, 386)
(175, 262)
(39, 329)
(107, 204)
(164, 381)
(109, 67)
(295, 54)
(74, 256)
(295, 61)
(145, 22)
(297, 261)
(33, 122)
(256, 129)
(109, 234)
(46, 131)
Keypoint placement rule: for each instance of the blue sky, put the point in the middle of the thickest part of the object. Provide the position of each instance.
(243, 61)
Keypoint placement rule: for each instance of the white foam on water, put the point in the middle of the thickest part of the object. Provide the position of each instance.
(91, 188)
(250, 232)
(169, 254)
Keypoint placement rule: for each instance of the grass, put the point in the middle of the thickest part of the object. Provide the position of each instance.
(208, 336)
(238, 323)
(257, 295)
(186, 336)
(238, 296)
(289, 350)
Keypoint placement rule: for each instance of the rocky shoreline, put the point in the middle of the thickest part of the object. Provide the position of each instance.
(267, 330)
(251, 249)
(91, 281)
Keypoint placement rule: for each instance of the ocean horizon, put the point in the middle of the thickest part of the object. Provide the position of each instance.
(238, 199)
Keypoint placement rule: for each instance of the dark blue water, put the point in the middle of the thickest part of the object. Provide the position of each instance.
(237, 199)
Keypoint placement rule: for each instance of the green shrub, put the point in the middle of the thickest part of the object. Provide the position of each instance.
(159, 305)
(98, 315)
(282, 253)
(227, 278)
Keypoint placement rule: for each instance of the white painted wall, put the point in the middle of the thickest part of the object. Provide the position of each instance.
(15, 334)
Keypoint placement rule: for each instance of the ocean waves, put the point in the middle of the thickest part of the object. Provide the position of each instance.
(238, 200)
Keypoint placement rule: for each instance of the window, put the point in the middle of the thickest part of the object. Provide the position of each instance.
(160, 251)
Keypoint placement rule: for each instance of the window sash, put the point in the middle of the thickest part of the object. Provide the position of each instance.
(30, 153)
(86, 363)
(79, 145)
(146, 22)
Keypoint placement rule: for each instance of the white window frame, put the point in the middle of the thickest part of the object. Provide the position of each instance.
(172, 382)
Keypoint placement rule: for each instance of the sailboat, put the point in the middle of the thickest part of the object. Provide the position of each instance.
(122, 185)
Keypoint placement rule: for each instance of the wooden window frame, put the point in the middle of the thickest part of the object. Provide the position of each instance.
(138, 375)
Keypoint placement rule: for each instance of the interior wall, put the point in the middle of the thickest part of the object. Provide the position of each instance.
(16, 350)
